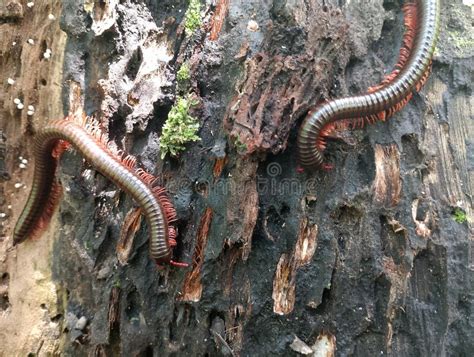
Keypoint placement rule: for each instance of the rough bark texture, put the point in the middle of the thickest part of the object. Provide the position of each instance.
(364, 260)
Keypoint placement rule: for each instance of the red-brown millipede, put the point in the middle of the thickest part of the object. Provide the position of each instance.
(86, 137)
(382, 101)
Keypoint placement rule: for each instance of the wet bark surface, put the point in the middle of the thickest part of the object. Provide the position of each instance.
(366, 259)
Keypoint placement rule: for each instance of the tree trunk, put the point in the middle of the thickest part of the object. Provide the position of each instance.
(372, 258)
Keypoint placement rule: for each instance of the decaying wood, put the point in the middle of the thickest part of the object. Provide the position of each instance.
(284, 293)
(367, 259)
(387, 183)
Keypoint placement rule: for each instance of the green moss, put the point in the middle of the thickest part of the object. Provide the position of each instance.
(192, 17)
(117, 284)
(462, 42)
(183, 76)
(459, 215)
(180, 128)
(240, 146)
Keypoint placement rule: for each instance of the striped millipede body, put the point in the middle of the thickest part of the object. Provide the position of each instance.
(382, 101)
(87, 139)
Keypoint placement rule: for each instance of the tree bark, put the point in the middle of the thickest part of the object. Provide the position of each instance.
(372, 258)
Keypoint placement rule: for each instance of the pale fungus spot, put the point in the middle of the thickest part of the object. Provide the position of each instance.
(47, 54)
(252, 26)
(11, 81)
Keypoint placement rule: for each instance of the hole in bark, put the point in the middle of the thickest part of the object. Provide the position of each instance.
(393, 243)
(341, 242)
(44, 47)
(4, 301)
(389, 5)
(56, 318)
(253, 108)
(134, 64)
(67, 218)
(276, 220)
(162, 279)
(288, 109)
(117, 127)
(202, 187)
(258, 58)
(147, 352)
(43, 82)
(324, 302)
(215, 315)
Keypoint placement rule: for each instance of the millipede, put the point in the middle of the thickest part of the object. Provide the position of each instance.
(421, 20)
(86, 137)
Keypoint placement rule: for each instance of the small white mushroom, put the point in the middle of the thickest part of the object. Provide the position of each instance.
(11, 81)
(51, 17)
(31, 41)
(17, 101)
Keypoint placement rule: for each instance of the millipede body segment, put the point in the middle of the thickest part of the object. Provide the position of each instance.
(87, 139)
(422, 22)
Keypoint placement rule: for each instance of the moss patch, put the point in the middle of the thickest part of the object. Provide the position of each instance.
(459, 215)
(192, 17)
(183, 76)
(180, 127)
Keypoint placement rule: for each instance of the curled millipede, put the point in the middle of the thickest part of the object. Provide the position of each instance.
(85, 136)
(381, 101)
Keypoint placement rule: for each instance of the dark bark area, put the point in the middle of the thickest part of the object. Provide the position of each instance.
(366, 257)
